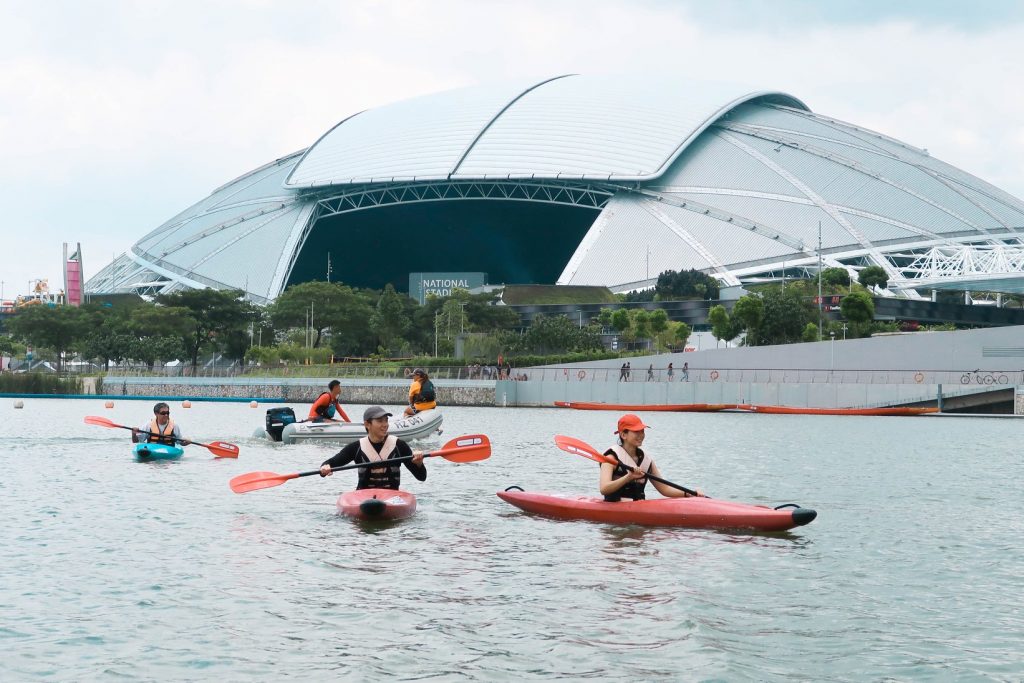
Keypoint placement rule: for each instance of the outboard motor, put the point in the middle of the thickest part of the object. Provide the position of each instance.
(277, 418)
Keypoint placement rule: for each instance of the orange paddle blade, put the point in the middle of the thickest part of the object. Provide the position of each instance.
(571, 445)
(101, 421)
(469, 448)
(222, 449)
(254, 481)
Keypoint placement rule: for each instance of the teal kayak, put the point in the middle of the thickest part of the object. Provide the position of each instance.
(157, 451)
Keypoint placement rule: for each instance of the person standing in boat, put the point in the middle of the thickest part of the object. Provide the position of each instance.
(628, 476)
(421, 393)
(160, 429)
(326, 406)
(378, 446)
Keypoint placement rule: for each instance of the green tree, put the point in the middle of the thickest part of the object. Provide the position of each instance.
(389, 321)
(604, 317)
(748, 313)
(873, 276)
(835, 277)
(335, 307)
(659, 321)
(722, 326)
(686, 284)
(621, 320)
(783, 317)
(811, 333)
(60, 328)
(213, 314)
(859, 309)
(559, 334)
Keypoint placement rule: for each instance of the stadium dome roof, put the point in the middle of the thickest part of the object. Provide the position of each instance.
(733, 181)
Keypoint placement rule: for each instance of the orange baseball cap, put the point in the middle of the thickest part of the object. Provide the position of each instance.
(630, 423)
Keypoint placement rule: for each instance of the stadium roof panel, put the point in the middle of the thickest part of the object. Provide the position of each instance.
(583, 127)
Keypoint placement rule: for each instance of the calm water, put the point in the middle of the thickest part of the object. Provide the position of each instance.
(116, 569)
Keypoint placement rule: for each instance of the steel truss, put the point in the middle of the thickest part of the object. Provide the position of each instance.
(589, 195)
(966, 261)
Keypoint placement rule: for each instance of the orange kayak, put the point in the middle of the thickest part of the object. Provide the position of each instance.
(377, 504)
(627, 408)
(791, 410)
(691, 513)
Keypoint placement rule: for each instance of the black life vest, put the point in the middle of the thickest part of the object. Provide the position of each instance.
(328, 410)
(427, 393)
(634, 489)
(384, 477)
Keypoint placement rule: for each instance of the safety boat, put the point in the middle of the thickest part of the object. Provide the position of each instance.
(418, 426)
(157, 451)
(382, 504)
(691, 513)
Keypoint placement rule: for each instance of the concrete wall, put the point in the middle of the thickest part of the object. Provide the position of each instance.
(383, 392)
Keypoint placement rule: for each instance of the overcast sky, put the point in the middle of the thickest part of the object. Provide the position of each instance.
(114, 116)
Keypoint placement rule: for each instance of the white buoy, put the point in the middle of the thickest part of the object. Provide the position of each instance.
(19, 404)
(186, 404)
(253, 404)
(108, 404)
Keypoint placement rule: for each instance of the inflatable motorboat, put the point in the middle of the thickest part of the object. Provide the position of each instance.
(281, 426)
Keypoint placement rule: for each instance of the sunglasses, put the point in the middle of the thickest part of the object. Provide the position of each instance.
(164, 412)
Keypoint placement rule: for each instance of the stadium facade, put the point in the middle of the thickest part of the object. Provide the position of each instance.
(588, 181)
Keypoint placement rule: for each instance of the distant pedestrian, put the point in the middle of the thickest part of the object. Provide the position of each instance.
(686, 372)
(629, 371)
(650, 373)
(671, 372)
(622, 373)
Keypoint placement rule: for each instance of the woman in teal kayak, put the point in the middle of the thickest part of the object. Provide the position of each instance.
(160, 429)
(378, 446)
(628, 476)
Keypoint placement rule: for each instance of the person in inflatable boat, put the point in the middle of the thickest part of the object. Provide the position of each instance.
(628, 476)
(378, 446)
(326, 405)
(421, 393)
(160, 429)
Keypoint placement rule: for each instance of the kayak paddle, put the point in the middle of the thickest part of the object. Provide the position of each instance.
(470, 448)
(221, 449)
(571, 445)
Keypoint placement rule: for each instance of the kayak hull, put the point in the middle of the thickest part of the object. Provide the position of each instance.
(905, 411)
(690, 513)
(157, 451)
(418, 426)
(637, 408)
(377, 504)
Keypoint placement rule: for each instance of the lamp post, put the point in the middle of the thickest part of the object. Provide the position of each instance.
(832, 346)
(437, 323)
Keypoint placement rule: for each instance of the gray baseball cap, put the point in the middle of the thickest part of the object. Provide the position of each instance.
(373, 412)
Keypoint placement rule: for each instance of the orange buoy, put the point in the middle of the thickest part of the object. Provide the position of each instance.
(108, 404)
(253, 404)
(186, 404)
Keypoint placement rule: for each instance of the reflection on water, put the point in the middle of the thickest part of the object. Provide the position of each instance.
(155, 570)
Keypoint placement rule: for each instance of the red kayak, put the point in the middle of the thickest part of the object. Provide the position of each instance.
(692, 513)
(377, 504)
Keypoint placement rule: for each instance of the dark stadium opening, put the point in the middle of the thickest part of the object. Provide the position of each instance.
(514, 242)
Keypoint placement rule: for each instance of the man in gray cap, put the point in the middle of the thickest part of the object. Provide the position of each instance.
(378, 447)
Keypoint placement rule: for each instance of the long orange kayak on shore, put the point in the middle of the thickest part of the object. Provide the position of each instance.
(790, 410)
(691, 513)
(742, 408)
(664, 408)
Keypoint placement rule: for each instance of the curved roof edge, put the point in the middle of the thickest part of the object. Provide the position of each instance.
(509, 153)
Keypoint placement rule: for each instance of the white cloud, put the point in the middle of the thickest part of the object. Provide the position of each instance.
(114, 116)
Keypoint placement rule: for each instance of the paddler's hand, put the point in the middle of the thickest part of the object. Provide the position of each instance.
(700, 494)
(417, 457)
(186, 442)
(135, 434)
(636, 473)
(325, 471)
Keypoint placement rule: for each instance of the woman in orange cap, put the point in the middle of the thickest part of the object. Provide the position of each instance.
(628, 476)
